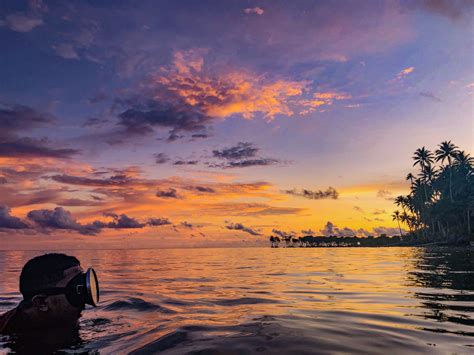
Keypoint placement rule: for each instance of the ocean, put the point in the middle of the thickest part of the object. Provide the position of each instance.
(265, 301)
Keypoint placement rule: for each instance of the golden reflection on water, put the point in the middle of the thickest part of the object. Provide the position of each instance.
(153, 292)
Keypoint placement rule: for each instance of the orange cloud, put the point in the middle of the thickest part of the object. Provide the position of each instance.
(321, 99)
(405, 72)
(226, 94)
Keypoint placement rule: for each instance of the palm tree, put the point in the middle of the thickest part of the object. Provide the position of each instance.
(396, 216)
(422, 157)
(447, 150)
(410, 177)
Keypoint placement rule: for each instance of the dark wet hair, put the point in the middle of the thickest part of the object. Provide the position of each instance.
(44, 271)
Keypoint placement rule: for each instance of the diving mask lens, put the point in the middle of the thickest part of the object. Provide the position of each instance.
(92, 288)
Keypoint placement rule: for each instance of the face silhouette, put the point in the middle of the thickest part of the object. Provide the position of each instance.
(56, 309)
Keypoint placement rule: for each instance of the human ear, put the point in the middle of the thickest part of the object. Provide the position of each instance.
(40, 302)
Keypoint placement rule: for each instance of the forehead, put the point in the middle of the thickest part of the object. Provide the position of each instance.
(69, 274)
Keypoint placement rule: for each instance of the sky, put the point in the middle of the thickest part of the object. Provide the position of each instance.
(220, 123)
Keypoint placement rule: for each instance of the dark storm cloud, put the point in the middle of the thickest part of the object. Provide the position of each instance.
(59, 218)
(161, 158)
(30, 148)
(240, 151)
(3, 180)
(241, 227)
(330, 193)
(170, 193)
(8, 221)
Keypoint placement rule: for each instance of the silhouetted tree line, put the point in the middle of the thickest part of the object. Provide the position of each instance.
(440, 204)
(439, 207)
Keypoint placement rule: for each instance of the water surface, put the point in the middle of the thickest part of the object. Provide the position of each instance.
(263, 300)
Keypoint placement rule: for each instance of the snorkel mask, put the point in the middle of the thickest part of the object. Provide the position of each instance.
(81, 290)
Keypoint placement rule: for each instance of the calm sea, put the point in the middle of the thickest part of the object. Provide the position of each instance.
(263, 300)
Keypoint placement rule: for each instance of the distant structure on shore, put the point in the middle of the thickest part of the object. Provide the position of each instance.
(310, 241)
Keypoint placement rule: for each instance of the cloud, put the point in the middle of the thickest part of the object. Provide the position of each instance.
(187, 225)
(453, 9)
(358, 209)
(30, 148)
(308, 232)
(241, 227)
(142, 118)
(98, 97)
(238, 157)
(185, 162)
(206, 94)
(66, 51)
(170, 193)
(240, 151)
(115, 180)
(21, 22)
(330, 193)
(321, 99)
(8, 221)
(332, 230)
(158, 222)
(388, 231)
(161, 158)
(281, 233)
(59, 218)
(254, 10)
(200, 135)
(431, 96)
(405, 72)
(121, 221)
(385, 194)
(248, 163)
(70, 202)
(19, 118)
(205, 189)
(379, 211)
(15, 119)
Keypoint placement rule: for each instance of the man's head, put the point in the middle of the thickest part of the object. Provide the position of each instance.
(46, 272)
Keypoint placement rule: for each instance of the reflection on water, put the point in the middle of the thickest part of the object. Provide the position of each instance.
(267, 300)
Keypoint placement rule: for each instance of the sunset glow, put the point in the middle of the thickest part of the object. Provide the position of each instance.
(155, 124)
